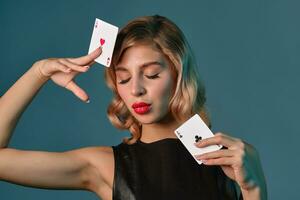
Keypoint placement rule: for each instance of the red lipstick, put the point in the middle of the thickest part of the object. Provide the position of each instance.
(141, 107)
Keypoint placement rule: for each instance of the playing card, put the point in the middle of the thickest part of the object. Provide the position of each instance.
(193, 130)
(104, 35)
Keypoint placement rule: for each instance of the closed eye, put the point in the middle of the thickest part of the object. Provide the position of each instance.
(124, 81)
(153, 77)
(149, 77)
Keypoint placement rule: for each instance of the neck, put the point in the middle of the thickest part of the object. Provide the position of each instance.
(160, 130)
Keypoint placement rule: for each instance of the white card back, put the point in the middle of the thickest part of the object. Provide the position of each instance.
(192, 130)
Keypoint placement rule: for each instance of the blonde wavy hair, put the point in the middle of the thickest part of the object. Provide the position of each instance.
(189, 95)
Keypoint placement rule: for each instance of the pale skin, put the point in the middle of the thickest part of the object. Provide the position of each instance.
(92, 168)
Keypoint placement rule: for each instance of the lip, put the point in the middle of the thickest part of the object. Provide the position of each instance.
(141, 107)
(139, 104)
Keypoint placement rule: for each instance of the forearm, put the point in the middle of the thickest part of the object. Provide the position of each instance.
(15, 101)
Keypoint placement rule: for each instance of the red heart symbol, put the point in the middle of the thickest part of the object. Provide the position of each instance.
(102, 41)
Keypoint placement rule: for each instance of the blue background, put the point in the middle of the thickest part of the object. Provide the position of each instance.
(248, 53)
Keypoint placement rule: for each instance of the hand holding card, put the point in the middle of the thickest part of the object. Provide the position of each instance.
(191, 132)
(104, 36)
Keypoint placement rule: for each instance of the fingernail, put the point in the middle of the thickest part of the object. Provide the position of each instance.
(88, 101)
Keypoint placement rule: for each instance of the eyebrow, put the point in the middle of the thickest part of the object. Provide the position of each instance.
(120, 68)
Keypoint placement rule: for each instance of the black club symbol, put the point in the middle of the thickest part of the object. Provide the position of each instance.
(197, 138)
(179, 134)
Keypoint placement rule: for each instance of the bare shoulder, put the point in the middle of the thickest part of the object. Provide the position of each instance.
(100, 174)
(100, 157)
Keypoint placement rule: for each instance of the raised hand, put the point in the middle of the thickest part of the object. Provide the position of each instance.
(239, 161)
(62, 71)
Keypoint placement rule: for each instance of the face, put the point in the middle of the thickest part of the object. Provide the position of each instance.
(144, 76)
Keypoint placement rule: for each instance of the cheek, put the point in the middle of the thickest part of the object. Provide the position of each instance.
(163, 90)
(123, 93)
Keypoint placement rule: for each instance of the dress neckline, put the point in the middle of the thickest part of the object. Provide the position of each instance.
(158, 141)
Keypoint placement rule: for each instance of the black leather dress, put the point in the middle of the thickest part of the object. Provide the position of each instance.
(164, 169)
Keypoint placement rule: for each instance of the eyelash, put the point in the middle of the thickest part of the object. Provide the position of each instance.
(150, 77)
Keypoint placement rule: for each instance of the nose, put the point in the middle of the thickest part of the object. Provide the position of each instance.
(137, 88)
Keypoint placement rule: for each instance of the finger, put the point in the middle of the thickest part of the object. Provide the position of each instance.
(219, 161)
(84, 60)
(215, 154)
(62, 67)
(74, 67)
(91, 63)
(217, 139)
(80, 93)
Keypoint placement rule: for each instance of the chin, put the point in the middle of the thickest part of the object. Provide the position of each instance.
(148, 118)
(144, 119)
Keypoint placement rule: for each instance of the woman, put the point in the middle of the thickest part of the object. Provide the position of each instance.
(156, 85)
